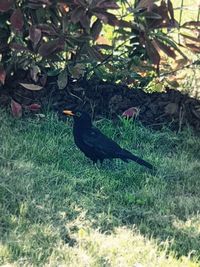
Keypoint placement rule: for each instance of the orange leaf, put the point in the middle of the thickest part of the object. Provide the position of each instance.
(103, 41)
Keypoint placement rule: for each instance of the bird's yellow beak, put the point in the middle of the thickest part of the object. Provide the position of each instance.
(68, 112)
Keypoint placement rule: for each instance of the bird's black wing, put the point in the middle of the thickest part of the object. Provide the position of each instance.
(104, 147)
(100, 143)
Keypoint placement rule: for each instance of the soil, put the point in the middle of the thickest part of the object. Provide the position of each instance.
(102, 99)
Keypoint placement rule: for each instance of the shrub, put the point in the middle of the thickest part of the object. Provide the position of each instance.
(50, 37)
(47, 33)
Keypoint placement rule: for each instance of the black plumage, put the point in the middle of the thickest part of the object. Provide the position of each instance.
(95, 145)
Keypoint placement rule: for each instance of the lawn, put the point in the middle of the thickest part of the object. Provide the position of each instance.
(58, 209)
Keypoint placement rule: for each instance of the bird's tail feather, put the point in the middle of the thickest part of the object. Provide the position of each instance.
(128, 155)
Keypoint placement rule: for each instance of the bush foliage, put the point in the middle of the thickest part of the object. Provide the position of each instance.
(63, 37)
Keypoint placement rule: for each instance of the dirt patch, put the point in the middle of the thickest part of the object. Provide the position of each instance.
(171, 108)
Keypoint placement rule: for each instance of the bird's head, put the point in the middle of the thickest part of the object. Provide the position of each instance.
(81, 118)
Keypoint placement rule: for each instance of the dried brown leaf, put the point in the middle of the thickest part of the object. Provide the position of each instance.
(31, 86)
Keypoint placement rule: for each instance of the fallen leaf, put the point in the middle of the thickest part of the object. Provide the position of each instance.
(31, 86)
(16, 109)
(131, 112)
(34, 107)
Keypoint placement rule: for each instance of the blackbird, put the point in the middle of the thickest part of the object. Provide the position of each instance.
(94, 144)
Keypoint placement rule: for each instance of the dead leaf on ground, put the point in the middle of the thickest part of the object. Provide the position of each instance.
(31, 86)
(16, 109)
(131, 112)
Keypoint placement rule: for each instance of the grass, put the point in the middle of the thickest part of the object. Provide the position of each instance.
(57, 209)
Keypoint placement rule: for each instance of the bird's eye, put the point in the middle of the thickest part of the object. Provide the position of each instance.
(78, 114)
